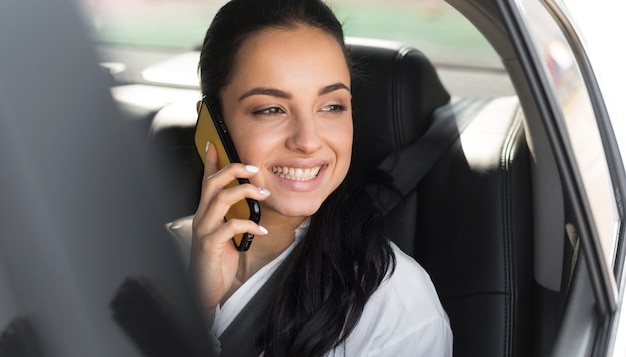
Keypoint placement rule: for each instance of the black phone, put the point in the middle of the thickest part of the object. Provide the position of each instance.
(211, 127)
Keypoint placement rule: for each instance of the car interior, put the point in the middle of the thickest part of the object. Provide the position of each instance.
(490, 220)
(469, 221)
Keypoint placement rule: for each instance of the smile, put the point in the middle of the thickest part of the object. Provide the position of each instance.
(296, 174)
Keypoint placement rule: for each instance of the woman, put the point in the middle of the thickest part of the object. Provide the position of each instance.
(279, 73)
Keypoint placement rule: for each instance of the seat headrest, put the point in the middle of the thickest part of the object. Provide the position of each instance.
(395, 90)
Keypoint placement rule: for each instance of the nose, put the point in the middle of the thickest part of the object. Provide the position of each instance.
(304, 136)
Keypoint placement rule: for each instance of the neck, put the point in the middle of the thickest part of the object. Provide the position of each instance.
(266, 248)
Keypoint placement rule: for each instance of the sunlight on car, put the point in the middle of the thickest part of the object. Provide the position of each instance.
(577, 110)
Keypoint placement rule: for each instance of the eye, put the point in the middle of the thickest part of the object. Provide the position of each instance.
(269, 111)
(334, 108)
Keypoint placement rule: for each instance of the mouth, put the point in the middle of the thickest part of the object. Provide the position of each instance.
(296, 173)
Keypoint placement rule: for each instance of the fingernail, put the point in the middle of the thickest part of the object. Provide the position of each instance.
(252, 168)
(206, 148)
(264, 191)
(263, 230)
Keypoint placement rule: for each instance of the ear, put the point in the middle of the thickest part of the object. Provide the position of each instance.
(198, 106)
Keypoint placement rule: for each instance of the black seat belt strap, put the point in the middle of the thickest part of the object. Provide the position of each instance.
(240, 339)
(405, 167)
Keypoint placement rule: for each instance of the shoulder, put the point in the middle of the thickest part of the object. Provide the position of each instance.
(409, 291)
(403, 316)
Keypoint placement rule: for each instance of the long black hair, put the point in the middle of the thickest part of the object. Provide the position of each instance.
(344, 255)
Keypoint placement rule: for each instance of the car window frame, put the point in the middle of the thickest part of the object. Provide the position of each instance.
(602, 274)
(611, 148)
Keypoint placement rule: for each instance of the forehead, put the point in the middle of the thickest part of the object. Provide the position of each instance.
(279, 52)
(289, 36)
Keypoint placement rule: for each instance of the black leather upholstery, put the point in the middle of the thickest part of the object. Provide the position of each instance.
(474, 235)
(468, 222)
(172, 155)
(391, 83)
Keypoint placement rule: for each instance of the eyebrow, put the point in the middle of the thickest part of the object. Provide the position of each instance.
(265, 91)
(282, 94)
(334, 87)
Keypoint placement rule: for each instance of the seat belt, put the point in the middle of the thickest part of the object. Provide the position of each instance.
(404, 168)
(242, 338)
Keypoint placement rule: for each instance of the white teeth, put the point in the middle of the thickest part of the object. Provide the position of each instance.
(296, 174)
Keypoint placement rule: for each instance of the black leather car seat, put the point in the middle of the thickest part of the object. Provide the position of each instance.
(468, 222)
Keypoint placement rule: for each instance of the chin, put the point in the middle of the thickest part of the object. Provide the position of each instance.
(294, 209)
(299, 211)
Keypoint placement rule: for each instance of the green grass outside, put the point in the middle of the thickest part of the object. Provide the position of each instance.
(444, 35)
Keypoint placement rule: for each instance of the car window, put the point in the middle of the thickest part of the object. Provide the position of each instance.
(434, 27)
(579, 123)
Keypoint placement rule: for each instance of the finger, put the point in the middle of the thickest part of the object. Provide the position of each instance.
(210, 166)
(230, 196)
(233, 227)
(212, 216)
(218, 181)
(211, 241)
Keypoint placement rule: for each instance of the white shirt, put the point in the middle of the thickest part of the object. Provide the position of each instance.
(403, 317)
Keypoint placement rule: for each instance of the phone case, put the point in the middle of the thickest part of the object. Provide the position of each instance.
(211, 127)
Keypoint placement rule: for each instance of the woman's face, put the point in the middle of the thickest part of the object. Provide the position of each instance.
(288, 108)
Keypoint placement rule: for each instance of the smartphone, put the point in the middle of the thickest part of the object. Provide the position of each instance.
(211, 127)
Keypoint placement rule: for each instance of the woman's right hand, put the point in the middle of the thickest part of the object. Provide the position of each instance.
(214, 258)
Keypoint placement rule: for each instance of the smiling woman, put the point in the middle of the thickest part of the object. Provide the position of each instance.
(279, 73)
(297, 102)
(512, 200)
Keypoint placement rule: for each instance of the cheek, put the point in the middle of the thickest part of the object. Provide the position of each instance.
(254, 143)
(251, 148)
(249, 142)
(342, 141)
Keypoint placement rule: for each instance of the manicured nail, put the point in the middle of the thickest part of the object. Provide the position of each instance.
(252, 168)
(206, 148)
(264, 191)
(263, 230)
